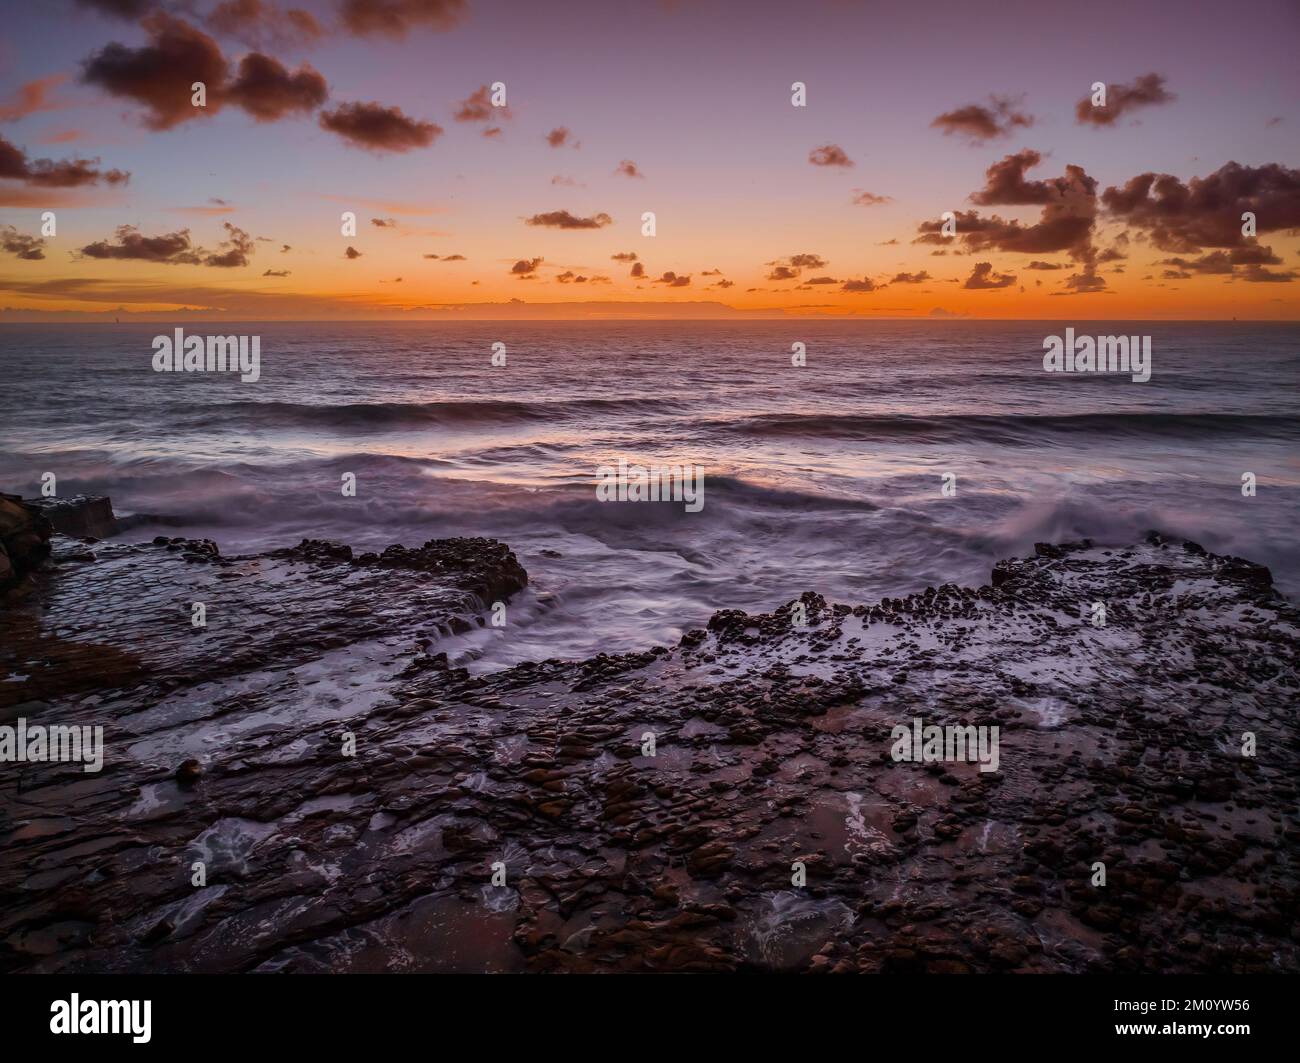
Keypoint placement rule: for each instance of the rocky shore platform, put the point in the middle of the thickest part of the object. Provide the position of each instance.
(357, 803)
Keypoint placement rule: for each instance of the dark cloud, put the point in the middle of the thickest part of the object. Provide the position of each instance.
(1206, 211)
(525, 267)
(1069, 214)
(1253, 257)
(822, 280)
(384, 223)
(673, 280)
(559, 137)
(351, 252)
(267, 91)
(1038, 264)
(21, 245)
(159, 75)
(276, 273)
(374, 127)
(637, 270)
(627, 168)
(1123, 99)
(562, 219)
(15, 165)
(829, 155)
(173, 249)
(911, 278)
(864, 285)
(1081, 283)
(979, 123)
(395, 18)
(624, 256)
(982, 276)
(1259, 275)
(125, 9)
(790, 268)
(260, 23)
(235, 250)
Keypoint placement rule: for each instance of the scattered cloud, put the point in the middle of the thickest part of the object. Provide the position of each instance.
(16, 165)
(124, 9)
(173, 249)
(868, 199)
(562, 219)
(259, 23)
(396, 18)
(560, 137)
(477, 107)
(627, 168)
(979, 123)
(1066, 221)
(32, 97)
(237, 248)
(1146, 91)
(829, 155)
(1206, 211)
(20, 245)
(982, 276)
(377, 128)
(158, 75)
(266, 90)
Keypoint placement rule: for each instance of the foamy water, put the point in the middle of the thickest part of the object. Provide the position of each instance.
(825, 477)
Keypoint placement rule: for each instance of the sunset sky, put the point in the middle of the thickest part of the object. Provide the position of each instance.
(683, 109)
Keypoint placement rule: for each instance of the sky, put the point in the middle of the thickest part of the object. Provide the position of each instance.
(1060, 206)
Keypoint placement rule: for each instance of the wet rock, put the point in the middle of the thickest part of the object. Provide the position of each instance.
(24, 539)
(78, 515)
(363, 786)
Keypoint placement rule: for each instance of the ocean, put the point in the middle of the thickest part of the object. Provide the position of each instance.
(824, 477)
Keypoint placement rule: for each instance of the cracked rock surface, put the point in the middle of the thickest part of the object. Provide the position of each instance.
(646, 809)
